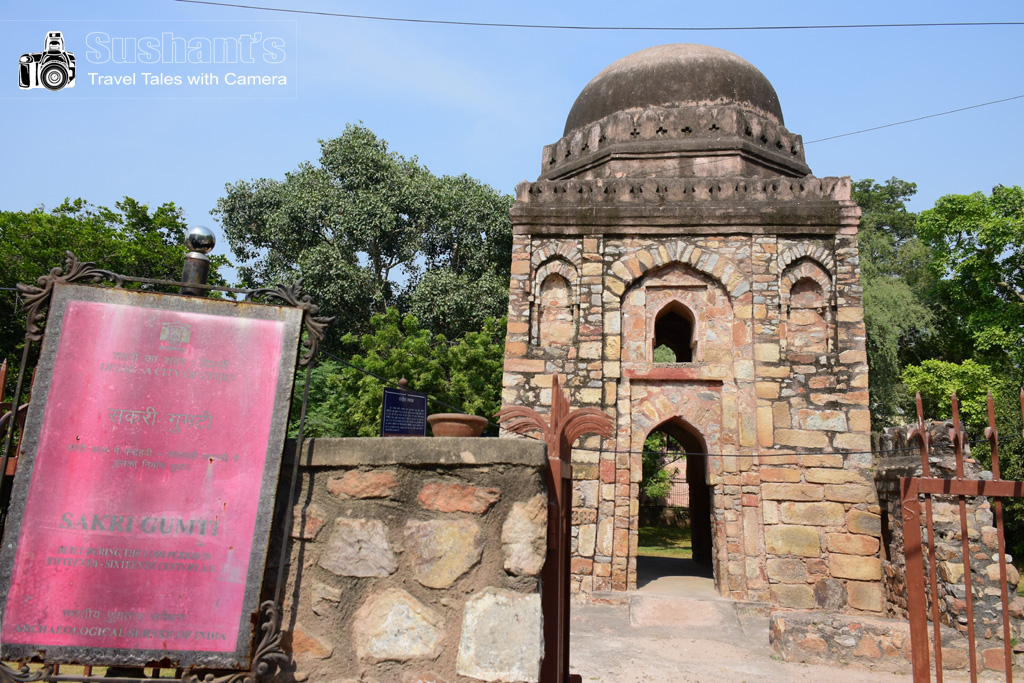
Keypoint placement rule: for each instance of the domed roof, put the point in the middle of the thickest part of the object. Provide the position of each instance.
(677, 74)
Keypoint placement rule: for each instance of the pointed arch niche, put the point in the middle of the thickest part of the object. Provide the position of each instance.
(806, 296)
(555, 304)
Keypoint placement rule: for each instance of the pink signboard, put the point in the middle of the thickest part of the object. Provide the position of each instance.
(144, 498)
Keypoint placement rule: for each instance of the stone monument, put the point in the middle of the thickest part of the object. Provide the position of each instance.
(678, 211)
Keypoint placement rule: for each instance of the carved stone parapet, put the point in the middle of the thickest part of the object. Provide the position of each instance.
(679, 190)
(684, 130)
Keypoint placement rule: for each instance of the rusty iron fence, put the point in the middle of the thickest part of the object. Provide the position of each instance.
(560, 431)
(914, 491)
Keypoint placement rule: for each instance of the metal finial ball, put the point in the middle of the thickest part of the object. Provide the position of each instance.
(201, 239)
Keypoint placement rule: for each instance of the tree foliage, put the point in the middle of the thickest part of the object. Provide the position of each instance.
(656, 482)
(129, 239)
(895, 278)
(937, 380)
(943, 314)
(466, 374)
(369, 229)
(977, 242)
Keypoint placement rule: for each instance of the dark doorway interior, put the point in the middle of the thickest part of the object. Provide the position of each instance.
(650, 569)
(700, 493)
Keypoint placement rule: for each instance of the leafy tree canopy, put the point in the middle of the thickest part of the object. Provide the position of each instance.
(977, 242)
(896, 279)
(466, 374)
(937, 380)
(129, 239)
(369, 229)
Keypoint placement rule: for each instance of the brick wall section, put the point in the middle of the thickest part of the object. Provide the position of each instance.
(895, 462)
(416, 560)
(796, 530)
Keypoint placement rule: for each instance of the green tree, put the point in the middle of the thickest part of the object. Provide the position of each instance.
(129, 239)
(936, 380)
(896, 279)
(465, 374)
(977, 242)
(369, 229)
(656, 482)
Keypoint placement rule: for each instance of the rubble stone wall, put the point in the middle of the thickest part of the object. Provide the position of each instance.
(416, 559)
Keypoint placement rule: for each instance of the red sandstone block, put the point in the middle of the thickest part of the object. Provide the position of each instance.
(581, 565)
(359, 484)
(750, 479)
(458, 498)
(607, 471)
(994, 659)
(621, 548)
(780, 474)
(749, 500)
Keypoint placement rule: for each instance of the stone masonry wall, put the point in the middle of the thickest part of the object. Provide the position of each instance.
(897, 458)
(769, 270)
(416, 560)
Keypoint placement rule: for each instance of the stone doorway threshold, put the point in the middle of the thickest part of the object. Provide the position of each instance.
(675, 577)
(679, 630)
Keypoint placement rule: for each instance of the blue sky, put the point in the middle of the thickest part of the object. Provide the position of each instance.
(484, 101)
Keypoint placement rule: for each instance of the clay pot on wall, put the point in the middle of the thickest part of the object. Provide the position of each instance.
(456, 424)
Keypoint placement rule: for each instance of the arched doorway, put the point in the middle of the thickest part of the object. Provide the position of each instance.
(684, 458)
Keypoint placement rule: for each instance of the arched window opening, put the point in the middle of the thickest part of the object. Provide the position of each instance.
(674, 338)
(556, 319)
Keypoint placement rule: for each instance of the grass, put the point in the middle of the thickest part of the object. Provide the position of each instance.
(665, 541)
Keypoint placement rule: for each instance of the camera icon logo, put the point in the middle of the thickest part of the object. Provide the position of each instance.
(53, 68)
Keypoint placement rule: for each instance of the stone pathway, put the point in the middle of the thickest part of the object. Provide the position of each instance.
(678, 630)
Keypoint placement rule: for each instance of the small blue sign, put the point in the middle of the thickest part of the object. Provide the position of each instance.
(404, 414)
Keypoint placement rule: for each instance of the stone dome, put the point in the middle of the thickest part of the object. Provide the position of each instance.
(679, 74)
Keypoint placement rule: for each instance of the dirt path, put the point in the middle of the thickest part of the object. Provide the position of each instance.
(684, 640)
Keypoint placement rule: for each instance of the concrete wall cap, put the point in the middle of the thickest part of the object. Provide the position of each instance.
(420, 451)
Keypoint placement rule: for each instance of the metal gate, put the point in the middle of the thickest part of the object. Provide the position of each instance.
(560, 431)
(912, 490)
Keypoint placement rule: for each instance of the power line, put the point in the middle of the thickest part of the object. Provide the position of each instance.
(919, 118)
(780, 454)
(570, 27)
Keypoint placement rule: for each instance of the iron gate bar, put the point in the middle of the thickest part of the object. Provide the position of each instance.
(956, 435)
(911, 509)
(560, 431)
(992, 434)
(972, 487)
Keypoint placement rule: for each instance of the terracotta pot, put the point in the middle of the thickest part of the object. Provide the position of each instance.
(456, 424)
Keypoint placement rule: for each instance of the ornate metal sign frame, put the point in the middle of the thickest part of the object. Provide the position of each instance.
(263, 658)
